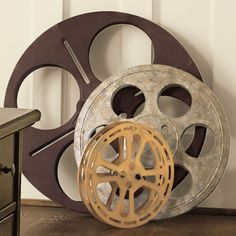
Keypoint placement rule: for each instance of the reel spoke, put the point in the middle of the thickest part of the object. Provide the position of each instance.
(121, 141)
(114, 188)
(107, 164)
(129, 147)
(140, 150)
(131, 202)
(120, 207)
(147, 184)
(105, 178)
(153, 172)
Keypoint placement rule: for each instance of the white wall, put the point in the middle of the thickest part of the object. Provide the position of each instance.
(205, 27)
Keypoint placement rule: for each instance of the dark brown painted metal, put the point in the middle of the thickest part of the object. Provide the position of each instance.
(49, 50)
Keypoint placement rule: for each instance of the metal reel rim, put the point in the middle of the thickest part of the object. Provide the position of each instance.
(222, 121)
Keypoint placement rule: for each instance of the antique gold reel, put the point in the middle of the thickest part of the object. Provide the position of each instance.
(135, 186)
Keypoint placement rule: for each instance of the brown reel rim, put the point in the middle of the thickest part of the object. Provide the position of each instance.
(126, 171)
(49, 50)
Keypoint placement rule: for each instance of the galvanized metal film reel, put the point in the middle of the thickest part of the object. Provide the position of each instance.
(204, 111)
(66, 45)
(137, 186)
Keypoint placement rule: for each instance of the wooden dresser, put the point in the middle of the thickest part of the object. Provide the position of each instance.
(12, 122)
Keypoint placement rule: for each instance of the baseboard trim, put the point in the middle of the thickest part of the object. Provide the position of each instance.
(214, 211)
(39, 203)
(197, 210)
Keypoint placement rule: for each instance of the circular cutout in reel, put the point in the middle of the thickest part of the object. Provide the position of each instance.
(135, 192)
(66, 45)
(204, 111)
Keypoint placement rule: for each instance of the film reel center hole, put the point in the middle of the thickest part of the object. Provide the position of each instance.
(117, 48)
(138, 176)
(174, 101)
(128, 102)
(56, 94)
(189, 138)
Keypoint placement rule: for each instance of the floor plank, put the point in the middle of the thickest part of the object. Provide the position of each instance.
(52, 221)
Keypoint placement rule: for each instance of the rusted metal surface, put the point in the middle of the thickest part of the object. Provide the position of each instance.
(66, 45)
(205, 110)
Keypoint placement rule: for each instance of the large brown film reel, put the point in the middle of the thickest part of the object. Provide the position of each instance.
(59, 46)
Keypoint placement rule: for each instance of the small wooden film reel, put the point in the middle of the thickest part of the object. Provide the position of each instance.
(114, 160)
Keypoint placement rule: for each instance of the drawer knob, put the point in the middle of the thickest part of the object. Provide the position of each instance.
(7, 170)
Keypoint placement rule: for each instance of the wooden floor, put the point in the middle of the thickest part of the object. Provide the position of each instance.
(52, 221)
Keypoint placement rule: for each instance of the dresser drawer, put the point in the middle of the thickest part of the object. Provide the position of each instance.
(7, 226)
(6, 179)
(12, 123)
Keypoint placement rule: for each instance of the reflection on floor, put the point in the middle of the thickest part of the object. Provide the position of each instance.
(52, 221)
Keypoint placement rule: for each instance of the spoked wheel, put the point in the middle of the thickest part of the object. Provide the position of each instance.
(135, 191)
(204, 111)
(67, 45)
